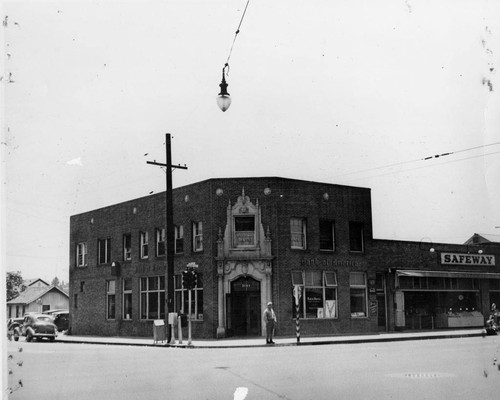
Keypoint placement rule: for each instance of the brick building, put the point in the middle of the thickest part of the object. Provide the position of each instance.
(254, 240)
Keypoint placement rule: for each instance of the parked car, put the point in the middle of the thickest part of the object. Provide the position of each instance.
(61, 319)
(39, 326)
(14, 328)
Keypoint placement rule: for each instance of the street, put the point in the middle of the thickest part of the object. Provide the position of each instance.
(461, 368)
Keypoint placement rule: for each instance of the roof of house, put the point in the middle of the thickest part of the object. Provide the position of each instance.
(479, 238)
(29, 282)
(31, 294)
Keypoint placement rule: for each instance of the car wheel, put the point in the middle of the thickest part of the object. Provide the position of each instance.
(29, 337)
(52, 338)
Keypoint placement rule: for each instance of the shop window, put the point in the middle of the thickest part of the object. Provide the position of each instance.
(152, 292)
(319, 294)
(298, 233)
(182, 298)
(357, 284)
(160, 242)
(144, 244)
(127, 247)
(356, 236)
(81, 254)
(197, 231)
(110, 299)
(244, 231)
(103, 251)
(127, 299)
(179, 239)
(326, 235)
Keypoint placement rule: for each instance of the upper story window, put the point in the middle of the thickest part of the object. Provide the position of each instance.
(127, 247)
(244, 231)
(298, 233)
(81, 254)
(160, 242)
(326, 235)
(144, 244)
(197, 236)
(103, 251)
(179, 239)
(356, 236)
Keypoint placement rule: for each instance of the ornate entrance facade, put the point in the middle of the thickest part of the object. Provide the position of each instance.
(244, 267)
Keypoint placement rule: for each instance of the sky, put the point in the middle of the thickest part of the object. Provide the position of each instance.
(346, 92)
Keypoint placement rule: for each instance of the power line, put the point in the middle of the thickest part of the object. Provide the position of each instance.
(420, 159)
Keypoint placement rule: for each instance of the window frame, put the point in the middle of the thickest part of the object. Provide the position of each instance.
(127, 247)
(145, 295)
(179, 239)
(197, 236)
(111, 295)
(103, 251)
(161, 244)
(83, 254)
(244, 238)
(144, 244)
(295, 233)
(329, 293)
(127, 312)
(363, 290)
(331, 240)
(361, 239)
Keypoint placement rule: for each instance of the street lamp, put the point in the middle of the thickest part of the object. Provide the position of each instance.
(223, 99)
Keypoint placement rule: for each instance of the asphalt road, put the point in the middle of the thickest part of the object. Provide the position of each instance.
(461, 368)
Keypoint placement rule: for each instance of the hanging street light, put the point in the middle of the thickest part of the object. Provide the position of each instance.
(223, 99)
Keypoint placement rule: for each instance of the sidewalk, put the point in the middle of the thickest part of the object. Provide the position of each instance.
(287, 341)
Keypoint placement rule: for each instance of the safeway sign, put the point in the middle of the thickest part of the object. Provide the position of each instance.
(467, 259)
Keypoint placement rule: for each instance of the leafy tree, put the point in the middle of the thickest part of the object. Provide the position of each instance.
(14, 284)
(55, 282)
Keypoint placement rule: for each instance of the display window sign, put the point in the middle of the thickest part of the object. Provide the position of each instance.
(467, 259)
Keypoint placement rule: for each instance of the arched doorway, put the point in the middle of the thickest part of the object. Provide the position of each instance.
(245, 307)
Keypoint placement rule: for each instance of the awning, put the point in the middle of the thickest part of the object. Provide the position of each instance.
(448, 274)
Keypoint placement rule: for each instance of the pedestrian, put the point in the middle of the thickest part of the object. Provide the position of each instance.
(270, 321)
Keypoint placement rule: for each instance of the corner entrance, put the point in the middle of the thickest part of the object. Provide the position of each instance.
(245, 307)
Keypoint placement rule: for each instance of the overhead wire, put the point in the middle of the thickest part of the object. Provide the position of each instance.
(236, 35)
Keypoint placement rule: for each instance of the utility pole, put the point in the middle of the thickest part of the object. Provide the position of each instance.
(169, 228)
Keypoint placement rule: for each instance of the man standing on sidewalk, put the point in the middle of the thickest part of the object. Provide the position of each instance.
(270, 321)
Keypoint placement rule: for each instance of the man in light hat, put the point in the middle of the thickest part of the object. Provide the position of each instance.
(270, 321)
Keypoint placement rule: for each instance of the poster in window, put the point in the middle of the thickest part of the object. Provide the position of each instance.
(321, 313)
(330, 309)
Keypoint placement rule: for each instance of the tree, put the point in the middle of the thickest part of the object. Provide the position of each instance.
(55, 282)
(14, 284)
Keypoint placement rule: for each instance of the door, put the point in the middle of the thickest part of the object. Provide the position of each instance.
(245, 307)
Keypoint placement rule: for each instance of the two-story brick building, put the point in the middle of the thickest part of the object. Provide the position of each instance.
(254, 240)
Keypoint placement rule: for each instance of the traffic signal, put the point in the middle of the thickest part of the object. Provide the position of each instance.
(185, 279)
(194, 281)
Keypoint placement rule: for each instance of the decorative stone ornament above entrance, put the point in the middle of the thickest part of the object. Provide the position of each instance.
(244, 250)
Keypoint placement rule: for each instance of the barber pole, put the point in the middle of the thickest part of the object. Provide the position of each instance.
(297, 291)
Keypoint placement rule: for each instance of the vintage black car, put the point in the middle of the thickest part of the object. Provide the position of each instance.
(38, 326)
(14, 328)
(61, 319)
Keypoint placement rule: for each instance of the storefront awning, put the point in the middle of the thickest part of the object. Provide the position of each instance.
(449, 274)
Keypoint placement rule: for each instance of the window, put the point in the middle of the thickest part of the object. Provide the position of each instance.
(127, 247)
(144, 245)
(197, 236)
(298, 233)
(127, 299)
(356, 236)
(244, 231)
(103, 251)
(82, 286)
(152, 297)
(357, 284)
(319, 294)
(179, 239)
(81, 254)
(160, 242)
(110, 299)
(326, 235)
(182, 298)
(75, 300)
